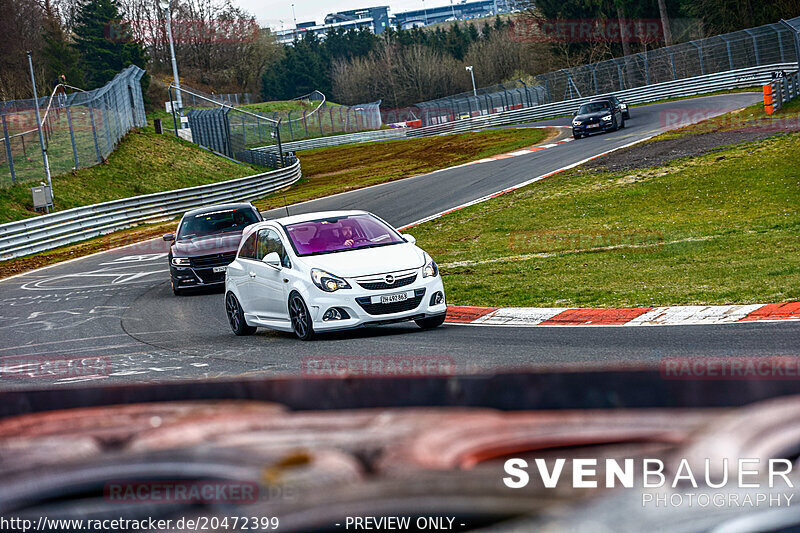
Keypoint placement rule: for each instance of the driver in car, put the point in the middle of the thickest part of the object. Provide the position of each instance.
(347, 234)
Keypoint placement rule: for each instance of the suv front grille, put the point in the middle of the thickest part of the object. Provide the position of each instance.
(207, 261)
(396, 307)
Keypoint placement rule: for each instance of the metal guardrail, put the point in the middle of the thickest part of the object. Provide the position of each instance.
(785, 89)
(49, 231)
(673, 89)
(335, 140)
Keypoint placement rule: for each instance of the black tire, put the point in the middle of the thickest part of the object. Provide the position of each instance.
(626, 116)
(576, 136)
(236, 316)
(623, 123)
(301, 319)
(431, 322)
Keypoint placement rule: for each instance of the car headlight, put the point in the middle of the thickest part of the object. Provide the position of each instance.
(607, 117)
(430, 270)
(576, 122)
(181, 261)
(327, 281)
(624, 106)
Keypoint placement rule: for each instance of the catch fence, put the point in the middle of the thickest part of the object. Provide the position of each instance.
(80, 128)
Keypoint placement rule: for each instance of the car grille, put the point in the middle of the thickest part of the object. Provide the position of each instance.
(209, 276)
(205, 261)
(396, 307)
(382, 285)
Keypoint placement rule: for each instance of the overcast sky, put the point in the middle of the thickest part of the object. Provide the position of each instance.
(272, 12)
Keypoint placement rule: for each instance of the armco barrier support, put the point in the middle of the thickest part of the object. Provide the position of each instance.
(56, 229)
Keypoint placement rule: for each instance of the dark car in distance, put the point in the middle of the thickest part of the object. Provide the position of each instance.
(206, 243)
(596, 116)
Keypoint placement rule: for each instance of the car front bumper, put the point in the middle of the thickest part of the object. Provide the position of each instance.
(584, 129)
(188, 277)
(356, 302)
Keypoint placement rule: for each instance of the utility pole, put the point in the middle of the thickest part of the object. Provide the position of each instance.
(39, 127)
(165, 6)
(472, 75)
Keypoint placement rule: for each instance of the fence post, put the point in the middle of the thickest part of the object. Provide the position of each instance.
(94, 133)
(7, 142)
(700, 57)
(755, 46)
(72, 137)
(244, 133)
(305, 122)
(672, 63)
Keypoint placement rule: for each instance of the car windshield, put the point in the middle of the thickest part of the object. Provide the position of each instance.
(338, 234)
(593, 107)
(216, 222)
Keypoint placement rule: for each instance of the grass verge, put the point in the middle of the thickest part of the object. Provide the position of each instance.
(339, 169)
(143, 163)
(719, 228)
(358, 175)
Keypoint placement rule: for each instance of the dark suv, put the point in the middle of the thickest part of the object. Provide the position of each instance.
(597, 116)
(206, 243)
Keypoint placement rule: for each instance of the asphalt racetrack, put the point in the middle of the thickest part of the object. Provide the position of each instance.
(118, 306)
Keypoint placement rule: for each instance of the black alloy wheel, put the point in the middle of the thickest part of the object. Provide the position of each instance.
(236, 316)
(301, 319)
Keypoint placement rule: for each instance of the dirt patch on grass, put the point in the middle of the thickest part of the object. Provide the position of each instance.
(659, 152)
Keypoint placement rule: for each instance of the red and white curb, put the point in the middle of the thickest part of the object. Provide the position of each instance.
(631, 316)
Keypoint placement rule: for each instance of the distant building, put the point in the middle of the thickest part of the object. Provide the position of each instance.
(377, 19)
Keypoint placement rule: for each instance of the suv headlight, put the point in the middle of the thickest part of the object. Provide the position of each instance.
(607, 117)
(430, 269)
(327, 281)
(181, 261)
(576, 122)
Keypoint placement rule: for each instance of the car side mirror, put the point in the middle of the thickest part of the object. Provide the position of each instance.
(273, 260)
(575, 114)
(169, 237)
(409, 238)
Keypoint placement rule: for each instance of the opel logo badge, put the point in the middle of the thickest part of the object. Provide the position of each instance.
(389, 279)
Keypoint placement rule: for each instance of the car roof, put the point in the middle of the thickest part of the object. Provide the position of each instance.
(294, 219)
(305, 217)
(218, 207)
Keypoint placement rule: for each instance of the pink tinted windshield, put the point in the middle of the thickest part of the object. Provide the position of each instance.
(340, 233)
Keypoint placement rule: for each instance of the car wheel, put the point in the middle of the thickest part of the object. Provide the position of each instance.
(626, 116)
(431, 322)
(301, 319)
(623, 123)
(236, 316)
(576, 136)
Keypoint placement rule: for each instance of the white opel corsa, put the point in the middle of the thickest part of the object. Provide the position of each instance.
(330, 271)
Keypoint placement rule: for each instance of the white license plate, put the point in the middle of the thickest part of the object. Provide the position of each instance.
(593, 125)
(220, 269)
(392, 298)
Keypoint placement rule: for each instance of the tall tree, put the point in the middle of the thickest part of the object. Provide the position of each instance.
(104, 44)
(60, 57)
